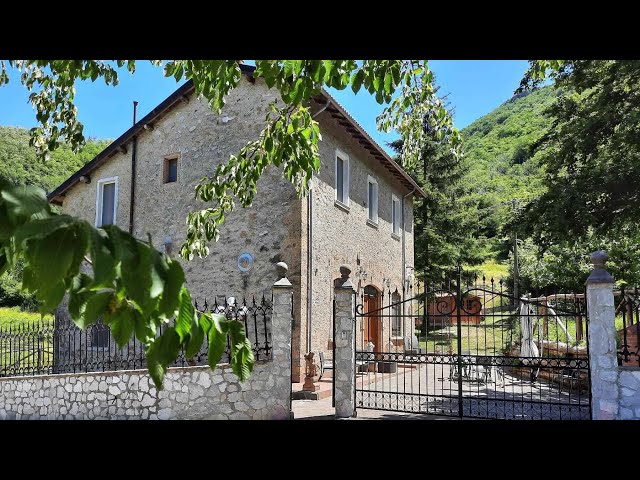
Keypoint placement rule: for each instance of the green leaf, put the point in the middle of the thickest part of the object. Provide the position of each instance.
(196, 337)
(358, 78)
(102, 257)
(50, 261)
(173, 277)
(388, 78)
(25, 201)
(242, 359)
(186, 314)
(95, 305)
(145, 329)
(162, 351)
(156, 368)
(78, 294)
(137, 260)
(42, 227)
(122, 325)
(217, 338)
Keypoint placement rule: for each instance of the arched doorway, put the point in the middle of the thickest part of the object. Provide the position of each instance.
(373, 320)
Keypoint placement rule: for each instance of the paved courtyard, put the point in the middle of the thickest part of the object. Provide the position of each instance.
(322, 410)
(433, 389)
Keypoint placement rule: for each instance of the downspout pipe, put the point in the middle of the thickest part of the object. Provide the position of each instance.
(404, 268)
(310, 249)
(134, 145)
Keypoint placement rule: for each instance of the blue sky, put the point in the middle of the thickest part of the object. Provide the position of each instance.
(474, 88)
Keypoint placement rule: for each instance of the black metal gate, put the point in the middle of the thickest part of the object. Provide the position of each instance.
(472, 350)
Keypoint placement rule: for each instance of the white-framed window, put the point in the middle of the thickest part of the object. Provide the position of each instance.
(396, 315)
(395, 215)
(372, 198)
(107, 201)
(342, 178)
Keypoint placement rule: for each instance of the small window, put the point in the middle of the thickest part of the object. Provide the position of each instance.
(396, 312)
(342, 178)
(372, 197)
(170, 169)
(107, 202)
(395, 215)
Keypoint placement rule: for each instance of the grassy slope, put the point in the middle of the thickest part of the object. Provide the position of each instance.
(14, 317)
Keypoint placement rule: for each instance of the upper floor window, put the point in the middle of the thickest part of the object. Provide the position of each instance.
(342, 178)
(170, 169)
(107, 201)
(372, 198)
(395, 215)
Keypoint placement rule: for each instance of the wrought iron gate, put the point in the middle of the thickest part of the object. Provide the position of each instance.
(472, 350)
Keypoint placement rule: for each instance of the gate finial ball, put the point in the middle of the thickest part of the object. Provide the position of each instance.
(345, 271)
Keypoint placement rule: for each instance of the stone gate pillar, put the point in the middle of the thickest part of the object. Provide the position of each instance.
(281, 324)
(602, 340)
(345, 304)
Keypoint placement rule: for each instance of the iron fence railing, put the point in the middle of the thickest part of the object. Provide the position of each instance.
(46, 347)
(628, 326)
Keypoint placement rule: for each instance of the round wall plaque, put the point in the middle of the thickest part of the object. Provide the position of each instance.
(245, 261)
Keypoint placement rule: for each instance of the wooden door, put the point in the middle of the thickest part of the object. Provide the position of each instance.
(372, 321)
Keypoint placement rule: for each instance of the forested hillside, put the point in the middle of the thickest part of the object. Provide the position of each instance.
(18, 164)
(499, 165)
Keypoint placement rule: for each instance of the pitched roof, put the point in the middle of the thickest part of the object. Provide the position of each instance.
(336, 110)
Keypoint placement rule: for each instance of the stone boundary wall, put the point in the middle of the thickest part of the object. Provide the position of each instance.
(615, 390)
(189, 393)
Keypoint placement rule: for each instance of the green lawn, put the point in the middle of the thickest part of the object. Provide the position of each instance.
(492, 269)
(488, 338)
(22, 350)
(493, 335)
(14, 316)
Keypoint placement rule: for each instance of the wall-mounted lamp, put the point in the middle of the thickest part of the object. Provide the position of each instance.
(85, 178)
(168, 242)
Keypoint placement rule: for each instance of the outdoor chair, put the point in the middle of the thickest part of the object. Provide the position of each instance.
(325, 364)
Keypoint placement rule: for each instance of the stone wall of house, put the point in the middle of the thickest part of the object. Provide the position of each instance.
(345, 237)
(270, 229)
(188, 393)
(274, 229)
(80, 200)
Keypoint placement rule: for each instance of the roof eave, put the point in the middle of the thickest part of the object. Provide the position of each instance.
(184, 91)
(178, 95)
(395, 168)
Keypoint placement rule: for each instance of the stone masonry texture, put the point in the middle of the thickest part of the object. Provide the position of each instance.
(274, 228)
(188, 393)
(345, 353)
(344, 237)
(269, 230)
(615, 390)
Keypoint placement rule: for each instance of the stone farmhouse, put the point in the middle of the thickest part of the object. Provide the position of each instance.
(359, 210)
